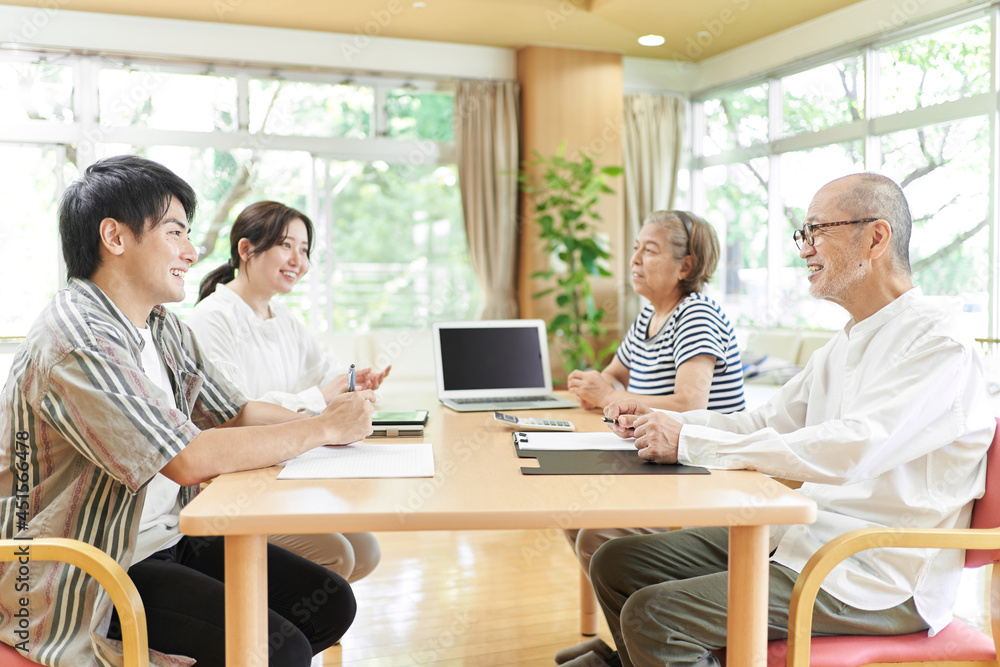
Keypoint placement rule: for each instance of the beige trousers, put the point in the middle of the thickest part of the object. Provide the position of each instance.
(351, 555)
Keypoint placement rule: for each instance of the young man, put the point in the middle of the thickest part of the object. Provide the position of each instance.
(108, 390)
(887, 425)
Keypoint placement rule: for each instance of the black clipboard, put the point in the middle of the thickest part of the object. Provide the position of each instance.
(594, 462)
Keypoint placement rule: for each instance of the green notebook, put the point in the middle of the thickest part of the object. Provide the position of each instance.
(399, 417)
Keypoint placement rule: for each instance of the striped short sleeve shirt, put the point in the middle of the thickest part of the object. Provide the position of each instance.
(82, 431)
(696, 327)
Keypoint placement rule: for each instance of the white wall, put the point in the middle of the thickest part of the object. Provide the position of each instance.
(361, 53)
(248, 45)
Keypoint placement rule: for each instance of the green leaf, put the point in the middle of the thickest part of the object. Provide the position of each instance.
(560, 321)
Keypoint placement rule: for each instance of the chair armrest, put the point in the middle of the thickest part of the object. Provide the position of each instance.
(108, 573)
(822, 562)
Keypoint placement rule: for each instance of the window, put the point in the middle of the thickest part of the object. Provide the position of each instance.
(369, 161)
(824, 97)
(150, 97)
(310, 109)
(735, 120)
(945, 176)
(37, 90)
(940, 67)
(738, 196)
(31, 178)
(928, 128)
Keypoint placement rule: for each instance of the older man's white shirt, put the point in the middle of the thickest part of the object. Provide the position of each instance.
(887, 425)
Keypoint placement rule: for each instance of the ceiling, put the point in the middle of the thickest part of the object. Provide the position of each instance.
(694, 29)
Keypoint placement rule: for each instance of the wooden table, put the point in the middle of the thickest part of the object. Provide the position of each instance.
(478, 486)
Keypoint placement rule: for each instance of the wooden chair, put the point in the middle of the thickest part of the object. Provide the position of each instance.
(108, 574)
(958, 645)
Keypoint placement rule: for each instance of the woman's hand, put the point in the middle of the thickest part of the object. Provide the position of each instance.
(592, 388)
(367, 378)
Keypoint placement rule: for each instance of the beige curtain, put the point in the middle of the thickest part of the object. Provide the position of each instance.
(486, 139)
(651, 147)
(652, 150)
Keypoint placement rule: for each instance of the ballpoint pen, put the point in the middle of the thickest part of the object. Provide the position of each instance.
(350, 378)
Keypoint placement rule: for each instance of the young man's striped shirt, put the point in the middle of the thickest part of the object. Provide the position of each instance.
(82, 430)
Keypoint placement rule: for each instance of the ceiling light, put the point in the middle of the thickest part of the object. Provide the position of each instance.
(651, 40)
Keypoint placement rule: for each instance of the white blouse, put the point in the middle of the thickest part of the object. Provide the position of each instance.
(887, 425)
(275, 360)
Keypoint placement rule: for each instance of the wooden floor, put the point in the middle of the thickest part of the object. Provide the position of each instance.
(484, 598)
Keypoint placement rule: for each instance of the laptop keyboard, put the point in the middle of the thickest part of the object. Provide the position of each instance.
(505, 399)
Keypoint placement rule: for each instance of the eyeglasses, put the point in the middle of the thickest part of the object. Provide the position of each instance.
(805, 235)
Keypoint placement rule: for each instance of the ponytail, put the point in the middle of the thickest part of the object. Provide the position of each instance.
(223, 274)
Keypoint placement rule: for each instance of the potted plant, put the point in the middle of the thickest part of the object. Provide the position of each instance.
(565, 194)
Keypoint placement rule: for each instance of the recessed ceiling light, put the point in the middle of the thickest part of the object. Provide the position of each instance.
(651, 40)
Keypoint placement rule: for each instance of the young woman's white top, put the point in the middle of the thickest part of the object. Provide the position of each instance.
(274, 360)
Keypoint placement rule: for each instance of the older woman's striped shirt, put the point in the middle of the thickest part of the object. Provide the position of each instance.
(696, 327)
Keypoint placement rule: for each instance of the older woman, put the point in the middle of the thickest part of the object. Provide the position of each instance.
(680, 353)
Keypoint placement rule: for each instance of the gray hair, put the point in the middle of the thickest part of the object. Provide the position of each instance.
(689, 234)
(876, 196)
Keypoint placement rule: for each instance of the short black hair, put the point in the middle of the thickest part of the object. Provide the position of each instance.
(128, 188)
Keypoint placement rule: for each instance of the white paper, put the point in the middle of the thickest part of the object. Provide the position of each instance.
(362, 460)
(575, 441)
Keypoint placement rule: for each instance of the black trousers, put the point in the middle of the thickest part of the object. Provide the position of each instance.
(309, 607)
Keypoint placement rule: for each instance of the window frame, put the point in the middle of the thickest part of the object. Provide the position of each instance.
(869, 131)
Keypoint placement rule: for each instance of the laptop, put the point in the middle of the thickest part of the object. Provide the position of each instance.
(491, 365)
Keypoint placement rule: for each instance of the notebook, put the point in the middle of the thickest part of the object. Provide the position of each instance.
(489, 365)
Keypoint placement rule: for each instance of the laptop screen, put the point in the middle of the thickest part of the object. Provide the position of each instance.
(491, 358)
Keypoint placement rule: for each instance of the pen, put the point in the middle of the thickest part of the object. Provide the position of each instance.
(350, 378)
(609, 420)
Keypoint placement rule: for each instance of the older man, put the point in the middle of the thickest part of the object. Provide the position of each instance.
(887, 425)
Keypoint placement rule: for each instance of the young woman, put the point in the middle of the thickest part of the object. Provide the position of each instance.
(680, 353)
(253, 339)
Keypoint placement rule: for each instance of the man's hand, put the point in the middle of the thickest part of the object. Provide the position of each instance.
(656, 437)
(348, 417)
(625, 413)
(591, 388)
